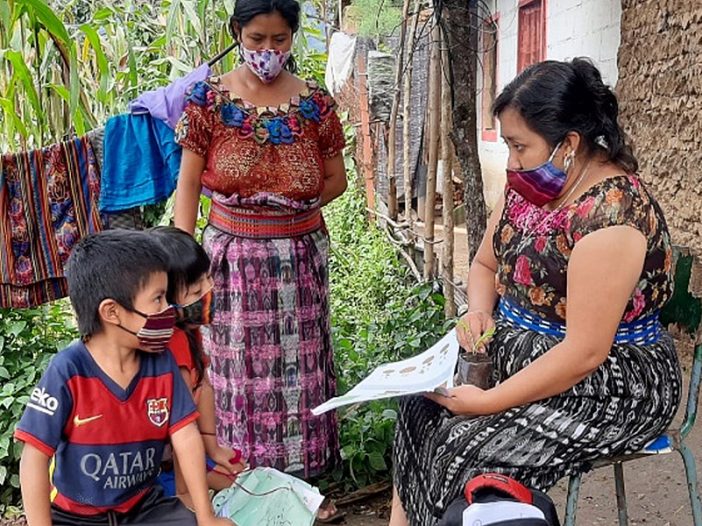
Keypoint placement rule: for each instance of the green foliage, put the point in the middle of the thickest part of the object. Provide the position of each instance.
(378, 315)
(69, 65)
(376, 18)
(683, 308)
(28, 340)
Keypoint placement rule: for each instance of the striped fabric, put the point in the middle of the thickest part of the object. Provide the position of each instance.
(260, 224)
(644, 331)
(158, 329)
(539, 185)
(48, 202)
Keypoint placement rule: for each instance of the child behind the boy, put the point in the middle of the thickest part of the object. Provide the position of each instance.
(190, 290)
(107, 405)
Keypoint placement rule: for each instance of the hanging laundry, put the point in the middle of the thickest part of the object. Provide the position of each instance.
(140, 163)
(96, 138)
(48, 202)
(342, 49)
(167, 103)
(126, 219)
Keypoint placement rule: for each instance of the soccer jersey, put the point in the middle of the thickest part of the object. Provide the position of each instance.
(107, 442)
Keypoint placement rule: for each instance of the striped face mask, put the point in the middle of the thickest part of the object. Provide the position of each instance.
(539, 185)
(157, 330)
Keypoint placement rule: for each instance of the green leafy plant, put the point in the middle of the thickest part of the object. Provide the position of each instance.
(28, 340)
(379, 314)
(376, 18)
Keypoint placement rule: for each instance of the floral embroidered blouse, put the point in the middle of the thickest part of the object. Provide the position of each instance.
(533, 246)
(251, 149)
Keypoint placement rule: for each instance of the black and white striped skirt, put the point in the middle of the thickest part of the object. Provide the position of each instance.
(627, 402)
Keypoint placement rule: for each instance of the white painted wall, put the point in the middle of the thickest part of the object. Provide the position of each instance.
(574, 28)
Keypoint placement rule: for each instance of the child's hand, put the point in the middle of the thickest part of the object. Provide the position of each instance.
(228, 460)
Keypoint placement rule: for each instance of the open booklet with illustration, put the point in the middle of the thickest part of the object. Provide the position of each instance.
(431, 370)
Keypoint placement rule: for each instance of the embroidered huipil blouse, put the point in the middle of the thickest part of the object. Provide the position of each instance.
(533, 247)
(250, 149)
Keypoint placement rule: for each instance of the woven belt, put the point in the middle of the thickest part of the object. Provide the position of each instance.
(643, 331)
(243, 222)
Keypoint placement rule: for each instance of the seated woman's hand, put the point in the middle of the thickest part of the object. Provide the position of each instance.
(471, 327)
(467, 400)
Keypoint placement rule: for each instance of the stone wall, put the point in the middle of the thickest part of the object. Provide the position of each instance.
(660, 92)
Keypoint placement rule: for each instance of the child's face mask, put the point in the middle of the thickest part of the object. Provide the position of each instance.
(157, 330)
(199, 312)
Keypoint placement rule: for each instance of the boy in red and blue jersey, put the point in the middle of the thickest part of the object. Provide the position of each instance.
(107, 404)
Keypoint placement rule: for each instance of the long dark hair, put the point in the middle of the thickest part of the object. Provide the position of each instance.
(187, 262)
(556, 98)
(247, 10)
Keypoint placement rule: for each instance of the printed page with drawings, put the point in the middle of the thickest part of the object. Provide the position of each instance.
(431, 370)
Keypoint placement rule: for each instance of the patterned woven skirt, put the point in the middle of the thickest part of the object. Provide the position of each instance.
(628, 401)
(270, 342)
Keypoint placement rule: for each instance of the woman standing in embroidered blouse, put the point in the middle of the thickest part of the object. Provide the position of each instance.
(269, 147)
(573, 269)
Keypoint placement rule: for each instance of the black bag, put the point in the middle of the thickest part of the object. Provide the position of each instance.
(493, 499)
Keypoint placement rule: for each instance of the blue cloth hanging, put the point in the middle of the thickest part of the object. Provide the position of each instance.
(141, 162)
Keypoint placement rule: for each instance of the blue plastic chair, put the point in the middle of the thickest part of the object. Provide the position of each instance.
(684, 311)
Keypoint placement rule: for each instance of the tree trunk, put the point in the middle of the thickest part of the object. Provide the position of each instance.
(460, 22)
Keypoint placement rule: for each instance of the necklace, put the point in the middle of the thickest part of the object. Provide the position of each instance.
(556, 210)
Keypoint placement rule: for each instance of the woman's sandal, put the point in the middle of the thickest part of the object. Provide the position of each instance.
(334, 514)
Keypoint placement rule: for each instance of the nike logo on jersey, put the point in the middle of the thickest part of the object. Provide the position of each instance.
(42, 401)
(78, 421)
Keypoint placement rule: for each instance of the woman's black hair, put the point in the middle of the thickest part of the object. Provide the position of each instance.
(187, 262)
(556, 98)
(247, 10)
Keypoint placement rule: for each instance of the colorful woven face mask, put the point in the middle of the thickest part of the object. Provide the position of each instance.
(539, 185)
(199, 312)
(157, 330)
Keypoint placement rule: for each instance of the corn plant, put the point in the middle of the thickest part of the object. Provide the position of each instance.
(68, 65)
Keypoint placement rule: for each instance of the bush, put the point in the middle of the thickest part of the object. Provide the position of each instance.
(28, 340)
(379, 314)
(376, 18)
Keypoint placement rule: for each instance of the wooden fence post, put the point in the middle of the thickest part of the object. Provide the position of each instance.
(434, 108)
